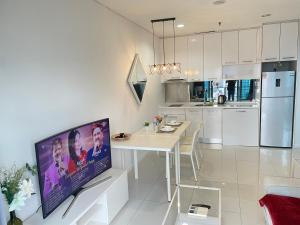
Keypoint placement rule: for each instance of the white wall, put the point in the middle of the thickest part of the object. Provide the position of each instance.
(64, 63)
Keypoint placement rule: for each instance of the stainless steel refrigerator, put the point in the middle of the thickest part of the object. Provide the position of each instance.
(277, 109)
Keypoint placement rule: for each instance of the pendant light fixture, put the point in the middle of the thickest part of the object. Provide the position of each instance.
(165, 68)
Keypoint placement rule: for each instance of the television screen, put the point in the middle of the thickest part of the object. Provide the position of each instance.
(69, 160)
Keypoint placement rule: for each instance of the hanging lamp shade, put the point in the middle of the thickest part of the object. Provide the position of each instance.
(165, 67)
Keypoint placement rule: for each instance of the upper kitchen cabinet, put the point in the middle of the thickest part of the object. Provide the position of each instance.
(181, 53)
(280, 42)
(212, 56)
(289, 41)
(248, 46)
(169, 57)
(230, 48)
(271, 36)
(195, 58)
(181, 56)
(259, 45)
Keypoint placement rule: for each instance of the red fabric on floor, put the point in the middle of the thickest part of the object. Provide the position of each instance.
(283, 210)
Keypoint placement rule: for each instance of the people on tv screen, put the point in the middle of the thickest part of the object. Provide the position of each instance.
(77, 153)
(57, 169)
(99, 149)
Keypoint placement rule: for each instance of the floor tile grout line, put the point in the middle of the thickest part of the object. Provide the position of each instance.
(135, 213)
(142, 202)
(238, 188)
(243, 191)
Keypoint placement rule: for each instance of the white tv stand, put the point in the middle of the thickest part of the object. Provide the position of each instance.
(96, 206)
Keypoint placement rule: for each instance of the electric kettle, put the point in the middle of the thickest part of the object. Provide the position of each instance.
(222, 99)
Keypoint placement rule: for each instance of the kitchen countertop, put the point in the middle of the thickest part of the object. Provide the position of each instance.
(230, 105)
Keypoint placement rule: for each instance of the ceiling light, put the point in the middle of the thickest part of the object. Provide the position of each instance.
(219, 2)
(180, 25)
(266, 15)
(165, 68)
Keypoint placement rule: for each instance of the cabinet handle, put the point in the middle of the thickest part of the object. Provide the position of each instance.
(241, 111)
(247, 61)
(212, 78)
(274, 58)
(230, 62)
(288, 57)
(210, 110)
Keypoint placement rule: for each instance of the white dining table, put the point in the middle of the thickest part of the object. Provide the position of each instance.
(148, 140)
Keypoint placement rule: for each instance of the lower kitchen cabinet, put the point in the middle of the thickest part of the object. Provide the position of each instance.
(220, 125)
(195, 116)
(212, 123)
(240, 127)
(176, 117)
(173, 114)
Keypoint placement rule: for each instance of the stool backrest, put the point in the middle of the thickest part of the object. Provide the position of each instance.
(196, 138)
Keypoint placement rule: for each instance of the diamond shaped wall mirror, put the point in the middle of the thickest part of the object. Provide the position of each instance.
(137, 79)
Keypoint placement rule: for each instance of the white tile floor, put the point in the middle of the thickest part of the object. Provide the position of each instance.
(240, 172)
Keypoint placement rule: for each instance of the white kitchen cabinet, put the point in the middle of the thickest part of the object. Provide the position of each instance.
(195, 116)
(289, 41)
(181, 56)
(212, 125)
(259, 45)
(195, 58)
(176, 117)
(242, 72)
(169, 50)
(212, 56)
(173, 114)
(169, 57)
(230, 48)
(240, 127)
(181, 53)
(248, 46)
(271, 37)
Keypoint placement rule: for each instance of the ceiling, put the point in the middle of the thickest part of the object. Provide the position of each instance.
(203, 15)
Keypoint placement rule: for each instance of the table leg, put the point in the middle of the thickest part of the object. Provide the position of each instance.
(177, 174)
(177, 163)
(179, 171)
(168, 176)
(136, 169)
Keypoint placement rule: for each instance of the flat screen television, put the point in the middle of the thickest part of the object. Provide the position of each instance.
(69, 160)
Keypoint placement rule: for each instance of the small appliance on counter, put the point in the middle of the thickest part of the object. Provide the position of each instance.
(222, 99)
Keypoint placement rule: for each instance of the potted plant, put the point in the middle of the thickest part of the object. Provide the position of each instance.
(16, 187)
